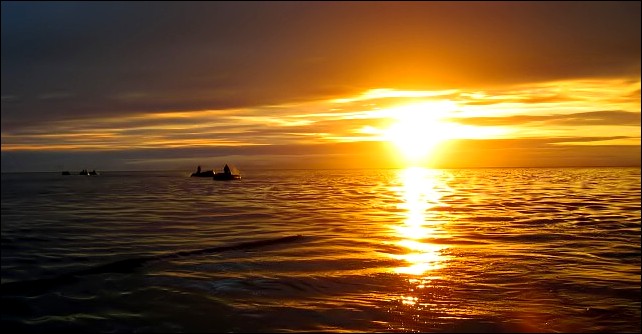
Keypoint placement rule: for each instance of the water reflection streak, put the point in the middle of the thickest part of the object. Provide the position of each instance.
(421, 190)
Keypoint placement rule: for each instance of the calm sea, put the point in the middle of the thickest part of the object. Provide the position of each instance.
(490, 250)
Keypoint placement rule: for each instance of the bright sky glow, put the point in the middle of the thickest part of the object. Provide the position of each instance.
(311, 85)
(415, 122)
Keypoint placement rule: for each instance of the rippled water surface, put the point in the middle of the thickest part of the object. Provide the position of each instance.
(493, 250)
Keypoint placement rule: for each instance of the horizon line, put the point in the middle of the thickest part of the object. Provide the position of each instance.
(349, 168)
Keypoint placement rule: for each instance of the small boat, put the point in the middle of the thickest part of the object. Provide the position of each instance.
(66, 173)
(86, 172)
(208, 173)
(226, 177)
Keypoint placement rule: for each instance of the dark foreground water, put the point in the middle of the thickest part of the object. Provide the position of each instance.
(491, 250)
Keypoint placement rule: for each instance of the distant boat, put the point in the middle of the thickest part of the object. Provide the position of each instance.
(226, 177)
(222, 176)
(207, 173)
(66, 173)
(85, 172)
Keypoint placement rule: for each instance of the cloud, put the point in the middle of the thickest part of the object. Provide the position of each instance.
(604, 117)
(54, 96)
(454, 154)
(143, 83)
(274, 156)
(138, 57)
(553, 152)
(537, 98)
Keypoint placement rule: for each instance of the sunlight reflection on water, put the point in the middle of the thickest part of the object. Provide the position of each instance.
(420, 191)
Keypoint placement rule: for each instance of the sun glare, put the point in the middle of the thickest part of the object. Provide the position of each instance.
(417, 128)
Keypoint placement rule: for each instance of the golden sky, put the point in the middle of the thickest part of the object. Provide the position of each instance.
(320, 85)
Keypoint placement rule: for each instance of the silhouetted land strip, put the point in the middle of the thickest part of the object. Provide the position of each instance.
(40, 286)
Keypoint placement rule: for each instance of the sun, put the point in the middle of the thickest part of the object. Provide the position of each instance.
(417, 129)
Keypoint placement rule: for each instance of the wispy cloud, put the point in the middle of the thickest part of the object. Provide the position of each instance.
(605, 117)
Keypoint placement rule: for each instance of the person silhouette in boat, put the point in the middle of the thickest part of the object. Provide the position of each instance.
(227, 170)
(198, 169)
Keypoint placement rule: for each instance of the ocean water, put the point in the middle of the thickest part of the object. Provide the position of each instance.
(414, 250)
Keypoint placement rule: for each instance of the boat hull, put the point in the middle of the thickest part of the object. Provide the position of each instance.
(226, 177)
